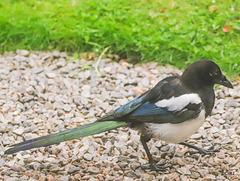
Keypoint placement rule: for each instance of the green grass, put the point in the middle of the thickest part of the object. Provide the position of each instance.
(174, 32)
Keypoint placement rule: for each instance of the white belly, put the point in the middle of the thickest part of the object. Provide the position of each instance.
(176, 133)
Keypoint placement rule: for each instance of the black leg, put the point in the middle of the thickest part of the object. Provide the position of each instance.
(200, 150)
(152, 165)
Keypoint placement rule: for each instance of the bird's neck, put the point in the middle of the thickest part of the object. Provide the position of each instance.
(204, 89)
(196, 82)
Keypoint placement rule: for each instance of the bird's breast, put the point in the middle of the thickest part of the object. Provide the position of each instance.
(175, 133)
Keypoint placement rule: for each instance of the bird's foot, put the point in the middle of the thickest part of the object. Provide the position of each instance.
(209, 151)
(156, 167)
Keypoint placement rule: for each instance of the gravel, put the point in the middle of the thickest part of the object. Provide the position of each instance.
(47, 92)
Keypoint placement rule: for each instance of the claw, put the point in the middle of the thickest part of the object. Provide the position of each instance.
(202, 151)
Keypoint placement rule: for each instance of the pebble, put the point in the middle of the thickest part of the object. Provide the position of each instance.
(37, 70)
(93, 169)
(116, 95)
(196, 136)
(18, 131)
(232, 103)
(214, 130)
(49, 93)
(195, 175)
(203, 172)
(67, 108)
(184, 171)
(209, 177)
(202, 132)
(77, 177)
(147, 177)
(23, 52)
(88, 156)
(50, 75)
(72, 169)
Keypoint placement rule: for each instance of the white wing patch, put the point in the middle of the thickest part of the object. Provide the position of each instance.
(178, 103)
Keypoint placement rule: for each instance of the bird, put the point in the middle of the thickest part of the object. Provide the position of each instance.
(173, 110)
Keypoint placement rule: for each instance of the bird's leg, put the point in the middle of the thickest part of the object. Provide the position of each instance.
(200, 150)
(152, 164)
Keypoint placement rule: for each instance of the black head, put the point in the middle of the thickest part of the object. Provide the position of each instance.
(204, 73)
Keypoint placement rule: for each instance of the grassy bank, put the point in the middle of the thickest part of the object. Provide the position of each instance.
(174, 32)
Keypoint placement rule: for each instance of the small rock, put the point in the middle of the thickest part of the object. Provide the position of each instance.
(232, 103)
(30, 90)
(226, 126)
(77, 176)
(228, 116)
(123, 164)
(179, 161)
(19, 131)
(145, 82)
(184, 171)
(147, 177)
(86, 94)
(29, 136)
(88, 156)
(116, 95)
(93, 169)
(67, 108)
(50, 75)
(202, 132)
(195, 175)
(2, 163)
(214, 130)
(107, 69)
(24, 53)
(165, 148)
(64, 178)
(203, 172)
(209, 177)
(221, 121)
(196, 136)
(37, 70)
(12, 179)
(56, 54)
(72, 169)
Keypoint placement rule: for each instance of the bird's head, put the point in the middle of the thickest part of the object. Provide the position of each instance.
(204, 73)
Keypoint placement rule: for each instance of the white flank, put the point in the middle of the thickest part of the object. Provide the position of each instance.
(176, 133)
(178, 103)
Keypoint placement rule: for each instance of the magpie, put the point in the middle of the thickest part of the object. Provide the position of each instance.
(171, 111)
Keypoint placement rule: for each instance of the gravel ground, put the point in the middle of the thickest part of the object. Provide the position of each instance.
(43, 93)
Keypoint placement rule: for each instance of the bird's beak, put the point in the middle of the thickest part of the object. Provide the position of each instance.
(225, 82)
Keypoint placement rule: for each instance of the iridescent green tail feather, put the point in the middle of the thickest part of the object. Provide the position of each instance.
(81, 131)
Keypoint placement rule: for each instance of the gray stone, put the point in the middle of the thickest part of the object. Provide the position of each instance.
(88, 156)
(196, 136)
(23, 52)
(50, 75)
(184, 171)
(37, 70)
(232, 103)
(67, 108)
(19, 131)
(93, 169)
(56, 54)
(203, 172)
(72, 169)
(116, 95)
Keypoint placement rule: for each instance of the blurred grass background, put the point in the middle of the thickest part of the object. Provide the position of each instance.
(175, 32)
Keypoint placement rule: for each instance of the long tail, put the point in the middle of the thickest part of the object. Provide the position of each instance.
(81, 131)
